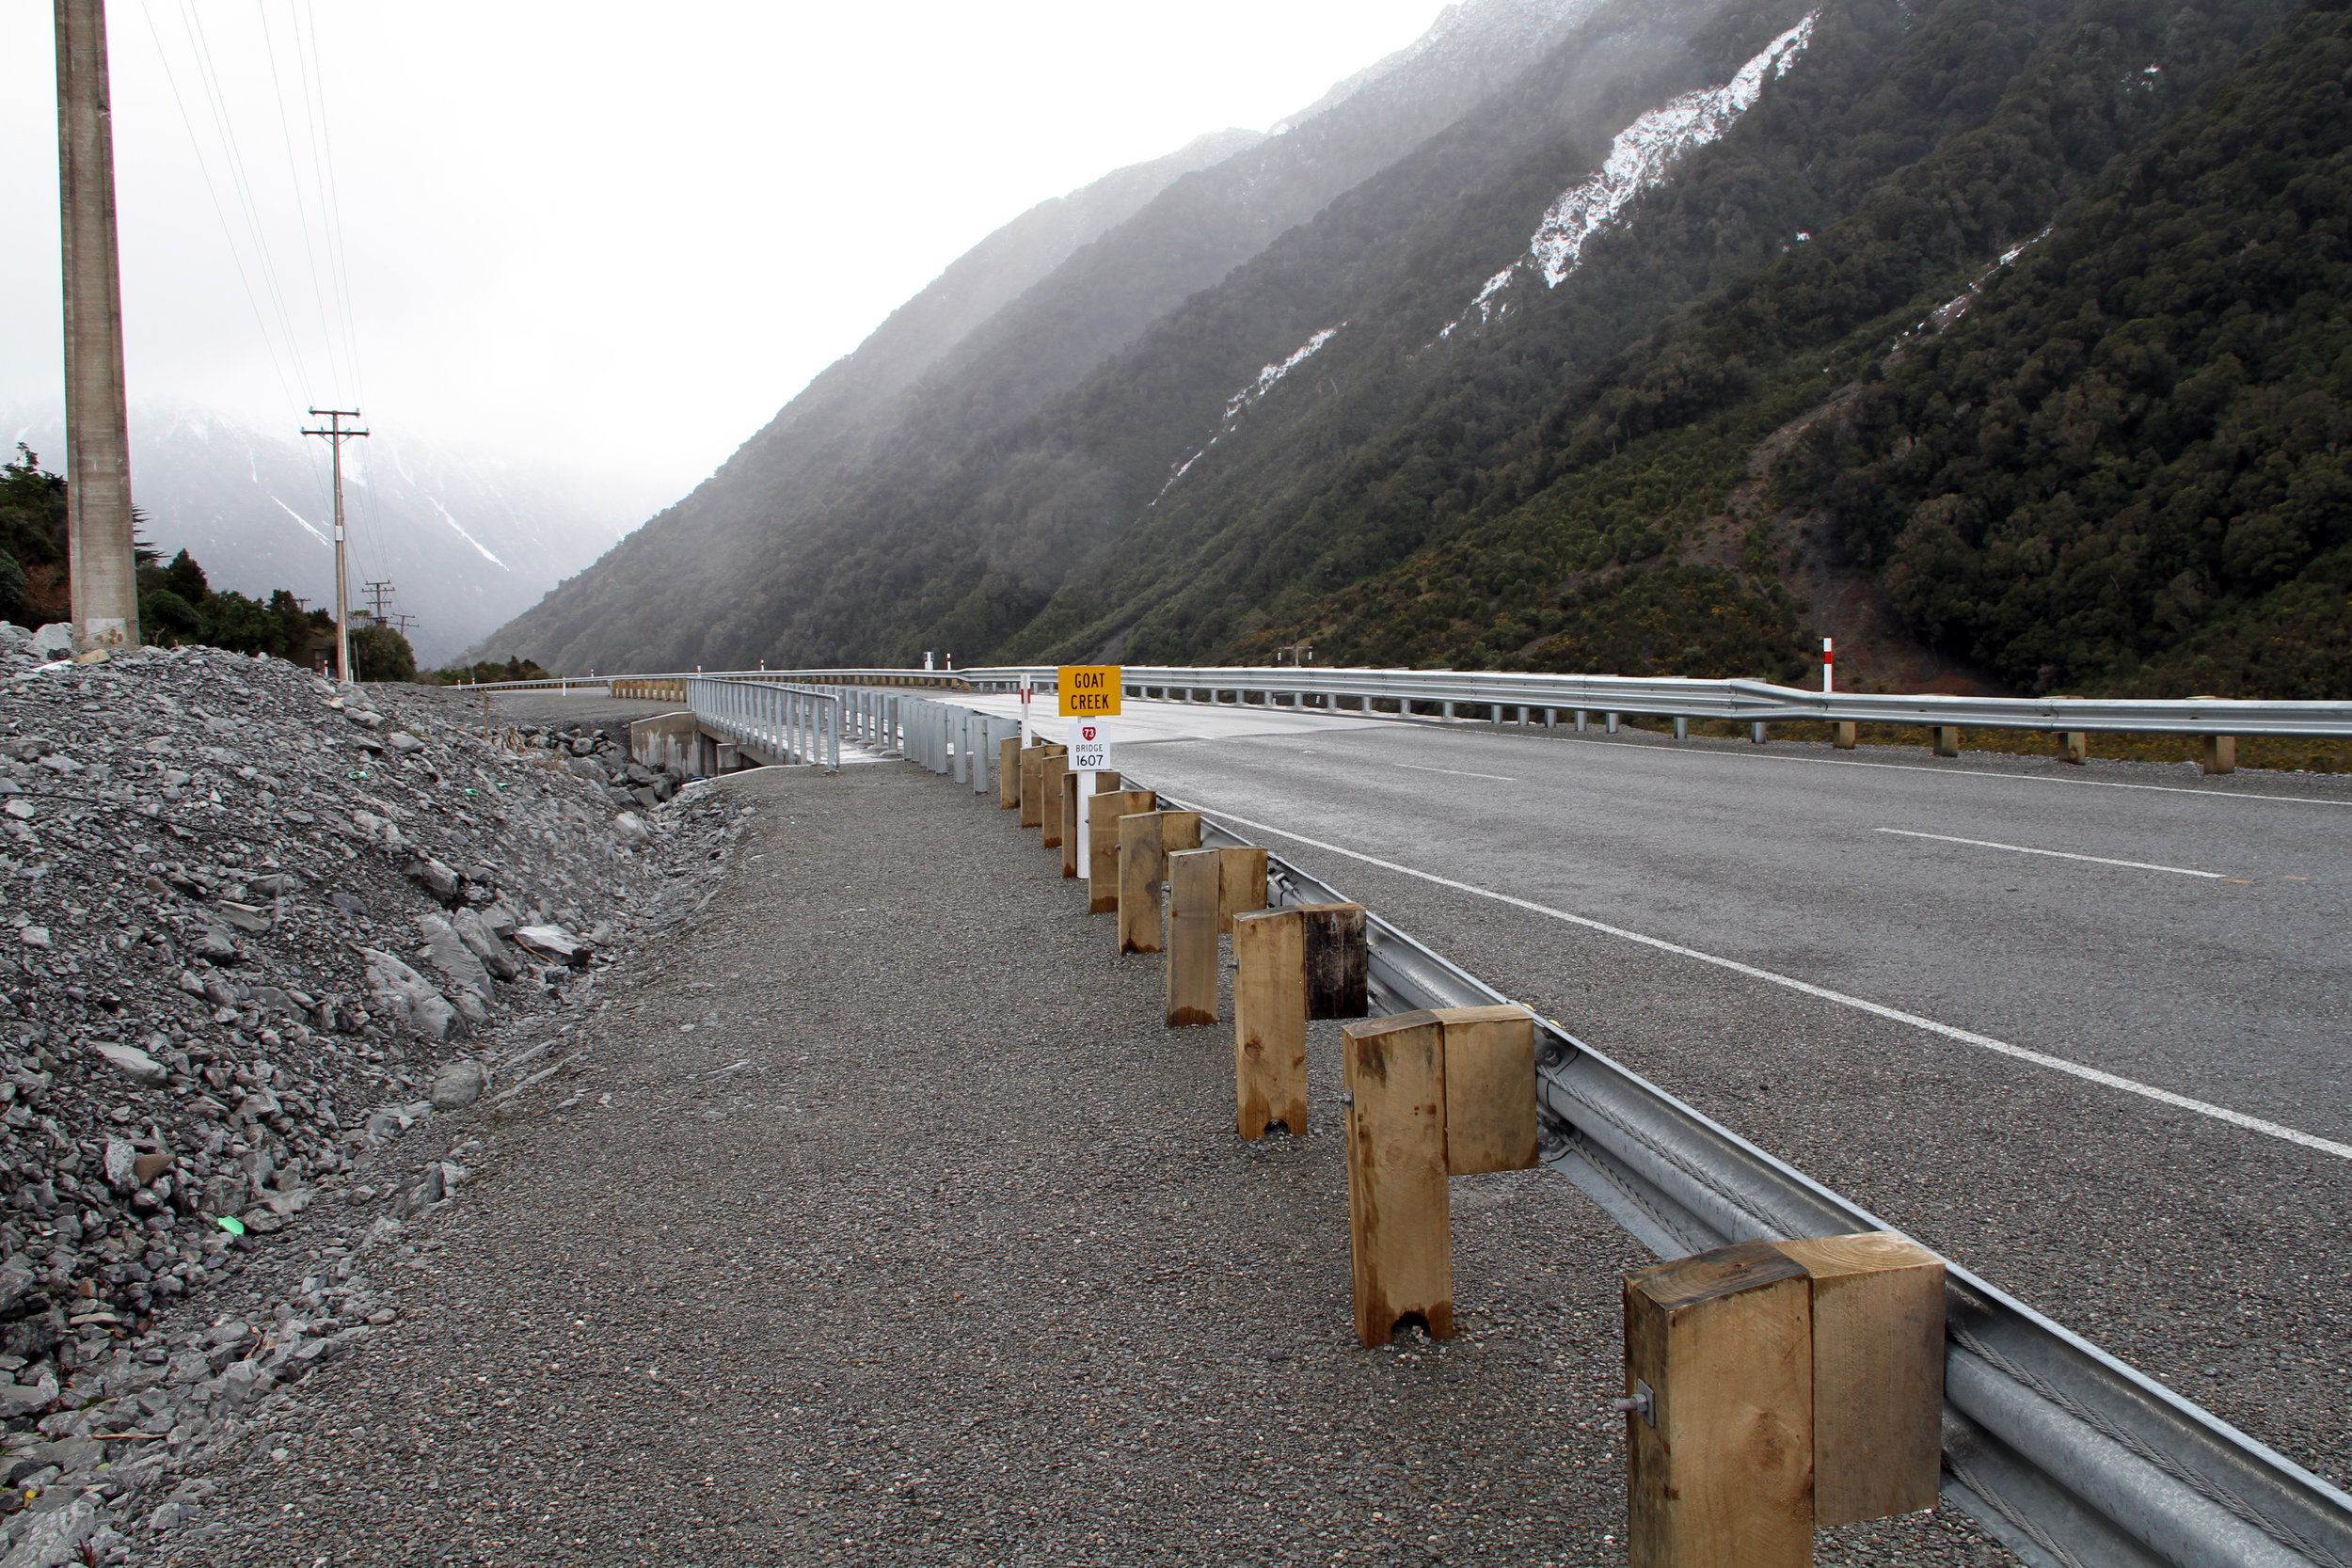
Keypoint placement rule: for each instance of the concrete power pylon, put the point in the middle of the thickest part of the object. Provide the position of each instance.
(105, 578)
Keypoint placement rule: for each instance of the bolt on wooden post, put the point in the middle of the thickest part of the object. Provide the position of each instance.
(1144, 842)
(1431, 1095)
(1032, 785)
(1102, 815)
(1779, 1388)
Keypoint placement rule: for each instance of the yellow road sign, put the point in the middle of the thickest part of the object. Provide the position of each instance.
(1088, 690)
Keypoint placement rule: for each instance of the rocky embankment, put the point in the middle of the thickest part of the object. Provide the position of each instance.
(256, 927)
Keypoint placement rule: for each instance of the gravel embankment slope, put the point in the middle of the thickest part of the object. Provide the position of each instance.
(882, 1220)
(255, 927)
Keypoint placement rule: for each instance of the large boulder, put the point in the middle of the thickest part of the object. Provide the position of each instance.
(476, 934)
(397, 990)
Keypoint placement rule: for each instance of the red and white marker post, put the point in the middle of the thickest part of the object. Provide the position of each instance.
(1028, 690)
(1829, 663)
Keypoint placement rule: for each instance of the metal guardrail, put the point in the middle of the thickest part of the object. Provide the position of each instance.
(1546, 697)
(2067, 1456)
(790, 723)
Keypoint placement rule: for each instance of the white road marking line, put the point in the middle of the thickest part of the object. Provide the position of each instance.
(2058, 854)
(1498, 778)
(1966, 1036)
(1961, 773)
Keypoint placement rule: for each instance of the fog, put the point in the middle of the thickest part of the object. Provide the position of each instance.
(593, 235)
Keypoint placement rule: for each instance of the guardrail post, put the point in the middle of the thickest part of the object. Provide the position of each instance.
(1682, 729)
(1719, 1379)
(1240, 886)
(2075, 747)
(1051, 772)
(1756, 732)
(1193, 875)
(1008, 772)
(2220, 753)
(1145, 840)
(1338, 960)
(1612, 723)
(1845, 738)
(1579, 721)
(1947, 741)
(1430, 1095)
(1878, 1374)
(1269, 1021)
(1400, 1232)
(1779, 1387)
(1032, 785)
(1102, 815)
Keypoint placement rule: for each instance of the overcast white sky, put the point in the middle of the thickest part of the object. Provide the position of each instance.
(616, 236)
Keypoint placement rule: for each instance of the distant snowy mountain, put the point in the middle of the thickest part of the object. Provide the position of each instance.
(466, 542)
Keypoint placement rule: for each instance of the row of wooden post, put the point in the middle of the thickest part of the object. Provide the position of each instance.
(1772, 1387)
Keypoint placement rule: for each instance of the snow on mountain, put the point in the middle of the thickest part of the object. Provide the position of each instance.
(1251, 392)
(1640, 157)
(466, 542)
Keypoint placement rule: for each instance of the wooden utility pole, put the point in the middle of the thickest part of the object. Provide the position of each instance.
(99, 562)
(336, 436)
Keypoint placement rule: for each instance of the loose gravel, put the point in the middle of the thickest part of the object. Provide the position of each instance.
(880, 1220)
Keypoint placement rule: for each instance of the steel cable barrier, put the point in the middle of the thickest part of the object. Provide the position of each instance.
(2067, 1456)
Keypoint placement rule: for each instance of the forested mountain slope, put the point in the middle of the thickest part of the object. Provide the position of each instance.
(2003, 330)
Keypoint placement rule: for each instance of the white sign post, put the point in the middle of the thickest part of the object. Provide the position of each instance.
(1089, 753)
(1029, 690)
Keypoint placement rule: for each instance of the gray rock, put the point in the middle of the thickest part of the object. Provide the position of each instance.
(450, 954)
(458, 1086)
(427, 1192)
(133, 1063)
(553, 941)
(122, 1162)
(406, 995)
(475, 933)
(348, 903)
(438, 879)
(53, 1539)
(244, 917)
(17, 1400)
(54, 640)
(629, 828)
(403, 742)
(587, 767)
(212, 943)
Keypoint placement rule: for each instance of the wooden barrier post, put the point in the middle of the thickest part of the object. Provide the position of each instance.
(1846, 736)
(1145, 841)
(1490, 1089)
(1757, 1413)
(1269, 1021)
(1400, 1231)
(1240, 886)
(1049, 777)
(1878, 1374)
(2075, 747)
(1719, 1377)
(1008, 772)
(2220, 753)
(1947, 741)
(1102, 815)
(1338, 960)
(1192, 906)
(1032, 798)
(1431, 1095)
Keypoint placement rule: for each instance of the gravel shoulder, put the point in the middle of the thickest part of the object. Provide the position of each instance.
(879, 1219)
